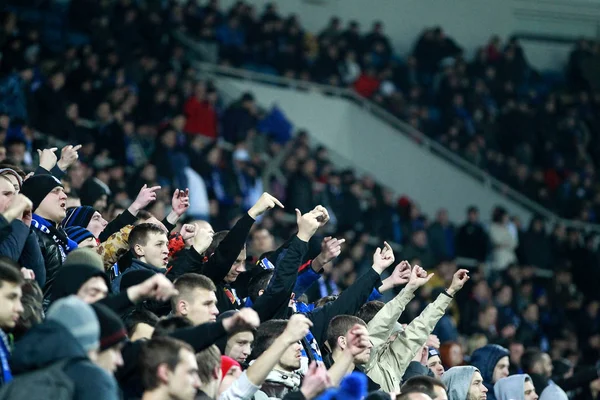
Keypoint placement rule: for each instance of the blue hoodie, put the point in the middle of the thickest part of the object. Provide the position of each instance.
(485, 359)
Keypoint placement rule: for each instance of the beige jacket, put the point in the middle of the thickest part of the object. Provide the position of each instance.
(389, 360)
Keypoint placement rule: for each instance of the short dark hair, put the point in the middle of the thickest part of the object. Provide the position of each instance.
(257, 283)
(157, 351)
(168, 325)
(139, 316)
(10, 272)
(140, 233)
(216, 241)
(529, 358)
(422, 384)
(339, 326)
(142, 216)
(325, 300)
(265, 336)
(187, 283)
(208, 359)
(368, 311)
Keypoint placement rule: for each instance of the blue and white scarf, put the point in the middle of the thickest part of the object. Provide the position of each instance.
(4, 358)
(65, 245)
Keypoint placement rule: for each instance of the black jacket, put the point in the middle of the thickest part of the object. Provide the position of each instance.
(53, 257)
(21, 246)
(218, 265)
(50, 342)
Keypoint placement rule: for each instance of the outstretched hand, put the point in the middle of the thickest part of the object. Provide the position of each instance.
(383, 258)
(264, 203)
(180, 201)
(309, 223)
(458, 281)
(146, 196)
(418, 277)
(316, 381)
(68, 156)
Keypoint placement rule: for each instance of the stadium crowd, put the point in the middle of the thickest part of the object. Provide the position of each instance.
(145, 260)
(537, 133)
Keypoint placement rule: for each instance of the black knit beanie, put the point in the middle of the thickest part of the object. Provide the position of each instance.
(37, 188)
(112, 329)
(92, 190)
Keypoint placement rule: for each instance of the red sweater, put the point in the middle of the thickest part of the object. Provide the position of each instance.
(201, 118)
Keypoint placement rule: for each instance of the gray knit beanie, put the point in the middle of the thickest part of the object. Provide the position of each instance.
(79, 319)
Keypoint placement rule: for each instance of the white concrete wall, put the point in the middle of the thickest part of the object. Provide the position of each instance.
(469, 22)
(370, 145)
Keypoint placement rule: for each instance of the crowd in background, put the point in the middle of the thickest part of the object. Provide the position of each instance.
(127, 95)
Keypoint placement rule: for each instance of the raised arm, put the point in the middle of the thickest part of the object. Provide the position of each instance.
(219, 263)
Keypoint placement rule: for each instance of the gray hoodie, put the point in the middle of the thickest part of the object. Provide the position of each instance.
(458, 381)
(511, 388)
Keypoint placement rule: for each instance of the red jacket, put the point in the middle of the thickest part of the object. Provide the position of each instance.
(201, 118)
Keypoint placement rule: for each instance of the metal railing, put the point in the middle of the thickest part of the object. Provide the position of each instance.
(402, 127)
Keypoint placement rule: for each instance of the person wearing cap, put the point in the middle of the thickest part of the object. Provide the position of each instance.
(81, 236)
(85, 217)
(49, 209)
(493, 362)
(516, 387)
(70, 331)
(434, 363)
(112, 337)
(394, 354)
(21, 243)
(464, 383)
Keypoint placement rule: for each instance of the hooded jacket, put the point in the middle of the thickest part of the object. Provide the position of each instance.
(458, 381)
(50, 342)
(485, 359)
(511, 388)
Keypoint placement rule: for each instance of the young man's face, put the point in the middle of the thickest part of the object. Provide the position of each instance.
(477, 391)
(183, 382)
(529, 391)
(7, 193)
(237, 268)
(54, 205)
(290, 360)
(156, 250)
(110, 359)
(501, 369)
(435, 365)
(202, 307)
(92, 290)
(96, 224)
(10, 304)
(239, 346)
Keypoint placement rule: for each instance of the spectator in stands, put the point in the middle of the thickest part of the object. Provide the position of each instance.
(196, 299)
(10, 310)
(169, 369)
(49, 209)
(518, 387)
(434, 363)
(471, 239)
(503, 241)
(70, 331)
(434, 388)
(149, 245)
(493, 363)
(464, 383)
(419, 249)
(112, 336)
(441, 237)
